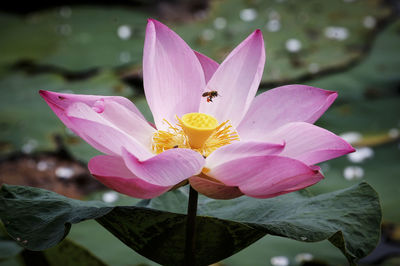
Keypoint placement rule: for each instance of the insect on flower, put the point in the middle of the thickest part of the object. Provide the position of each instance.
(210, 95)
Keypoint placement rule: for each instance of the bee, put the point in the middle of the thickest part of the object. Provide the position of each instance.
(210, 95)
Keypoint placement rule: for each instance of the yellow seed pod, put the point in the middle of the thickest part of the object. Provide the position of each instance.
(198, 127)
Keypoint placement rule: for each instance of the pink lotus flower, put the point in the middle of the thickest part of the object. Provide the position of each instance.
(235, 144)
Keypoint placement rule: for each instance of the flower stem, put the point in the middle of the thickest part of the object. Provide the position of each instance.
(191, 228)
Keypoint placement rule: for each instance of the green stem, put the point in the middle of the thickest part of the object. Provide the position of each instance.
(190, 246)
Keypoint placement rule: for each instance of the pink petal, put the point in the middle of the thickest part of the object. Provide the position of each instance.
(282, 105)
(102, 134)
(262, 176)
(213, 189)
(59, 102)
(241, 150)
(112, 172)
(308, 181)
(309, 143)
(209, 66)
(236, 81)
(172, 75)
(127, 121)
(167, 168)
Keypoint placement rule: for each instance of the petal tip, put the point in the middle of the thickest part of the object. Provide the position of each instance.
(156, 23)
(151, 21)
(51, 97)
(257, 34)
(348, 148)
(351, 149)
(45, 94)
(333, 94)
(150, 26)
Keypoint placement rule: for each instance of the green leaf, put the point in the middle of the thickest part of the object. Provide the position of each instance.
(8, 248)
(39, 219)
(106, 246)
(69, 253)
(66, 253)
(160, 236)
(349, 218)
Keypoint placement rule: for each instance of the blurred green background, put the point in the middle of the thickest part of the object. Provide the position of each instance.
(95, 47)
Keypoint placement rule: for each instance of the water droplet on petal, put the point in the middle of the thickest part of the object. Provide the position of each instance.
(279, 261)
(248, 14)
(293, 45)
(361, 154)
(124, 32)
(98, 106)
(220, 23)
(110, 196)
(64, 172)
(353, 173)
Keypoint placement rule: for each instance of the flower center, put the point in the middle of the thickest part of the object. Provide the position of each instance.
(196, 131)
(198, 127)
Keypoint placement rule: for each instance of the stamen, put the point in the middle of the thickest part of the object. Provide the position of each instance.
(171, 139)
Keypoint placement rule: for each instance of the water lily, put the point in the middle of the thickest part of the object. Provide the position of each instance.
(228, 145)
